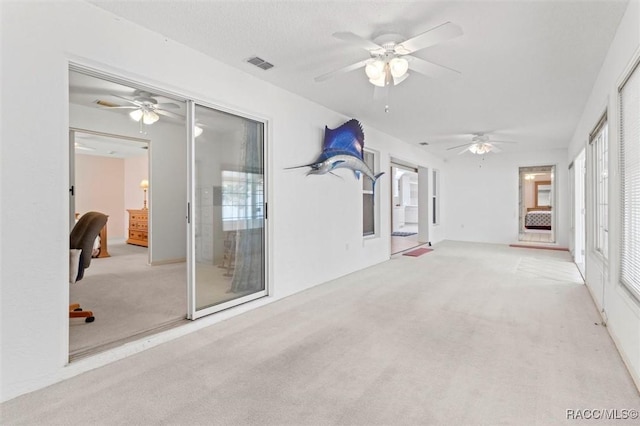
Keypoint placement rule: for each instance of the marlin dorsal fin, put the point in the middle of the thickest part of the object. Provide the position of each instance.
(348, 138)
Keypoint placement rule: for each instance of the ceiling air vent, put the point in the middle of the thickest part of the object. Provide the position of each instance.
(260, 63)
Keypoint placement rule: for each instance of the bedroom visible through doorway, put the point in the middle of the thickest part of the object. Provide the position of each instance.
(537, 200)
(136, 283)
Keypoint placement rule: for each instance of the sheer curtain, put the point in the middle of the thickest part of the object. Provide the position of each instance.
(248, 274)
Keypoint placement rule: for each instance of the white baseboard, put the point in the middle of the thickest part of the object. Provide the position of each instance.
(168, 261)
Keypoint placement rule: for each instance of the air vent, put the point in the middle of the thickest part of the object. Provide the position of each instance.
(260, 63)
(424, 143)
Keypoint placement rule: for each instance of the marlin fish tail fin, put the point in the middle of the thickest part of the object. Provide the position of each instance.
(373, 185)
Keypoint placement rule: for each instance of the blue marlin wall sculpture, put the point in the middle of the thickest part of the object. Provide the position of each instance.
(342, 148)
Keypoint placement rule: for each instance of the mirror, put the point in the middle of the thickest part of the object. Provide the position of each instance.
(543, 194)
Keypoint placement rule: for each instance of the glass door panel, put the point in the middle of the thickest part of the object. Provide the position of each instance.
(227, 220)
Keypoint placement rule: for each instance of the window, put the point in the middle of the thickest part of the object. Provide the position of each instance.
(435, 206)
(630, 182)
(368, 204)
(600, 151)
(242, 200)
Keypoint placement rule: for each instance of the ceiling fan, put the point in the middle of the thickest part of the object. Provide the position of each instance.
(144, 107)
(390, 55)
(481, 144)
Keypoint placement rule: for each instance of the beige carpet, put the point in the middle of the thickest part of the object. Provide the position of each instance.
(470, 334)
(128, 298)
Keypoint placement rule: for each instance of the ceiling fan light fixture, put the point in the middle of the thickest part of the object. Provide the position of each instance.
(375, 69)
(398, 80)
(398, 66)
(380, 81)
(480, 148)
(136, 114)
(149, 117)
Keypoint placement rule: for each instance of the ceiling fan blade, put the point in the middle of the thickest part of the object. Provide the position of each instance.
(168, 105)
(494, 141)
(106, 103)
(131, 101)
(429, 68)
(494, 148)
(460, 146)
(346, 69)
(169, 114)
(122, 107)
(434, 36)
(355, 39)
(463, 151)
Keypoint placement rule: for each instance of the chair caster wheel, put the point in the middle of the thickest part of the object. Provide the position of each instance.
(77, 310)
(90, 319)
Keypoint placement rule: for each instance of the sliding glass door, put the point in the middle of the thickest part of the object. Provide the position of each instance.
(226, 211)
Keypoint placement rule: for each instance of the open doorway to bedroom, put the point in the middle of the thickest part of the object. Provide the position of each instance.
(130, 170)
(537, 200)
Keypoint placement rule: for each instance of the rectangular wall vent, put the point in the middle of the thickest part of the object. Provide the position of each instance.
(260, 63)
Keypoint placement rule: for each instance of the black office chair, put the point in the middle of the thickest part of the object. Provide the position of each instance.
(82, 237)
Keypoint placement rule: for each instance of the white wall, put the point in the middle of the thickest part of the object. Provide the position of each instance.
(99, 183)
(619, 309)
(314, 222)
(482, 195)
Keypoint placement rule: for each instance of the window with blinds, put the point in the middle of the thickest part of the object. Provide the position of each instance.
(629, 94)
(600, 155)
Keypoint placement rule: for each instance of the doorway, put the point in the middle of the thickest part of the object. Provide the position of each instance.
(537, 200)
(111, 176)
(191, 239)
(127, 169)
(405, 200)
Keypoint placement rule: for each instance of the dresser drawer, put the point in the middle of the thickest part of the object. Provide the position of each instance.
(138, 226)
(138, 235)
(138, 217)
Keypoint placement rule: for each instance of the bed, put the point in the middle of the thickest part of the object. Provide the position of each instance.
(538, 219)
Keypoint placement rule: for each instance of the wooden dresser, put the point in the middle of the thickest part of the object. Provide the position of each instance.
(138, 227)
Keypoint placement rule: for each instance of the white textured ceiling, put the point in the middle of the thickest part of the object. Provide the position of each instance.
(527, 66)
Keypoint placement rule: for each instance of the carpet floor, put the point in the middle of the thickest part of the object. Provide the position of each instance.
(127, 296)
(131, 299)
(473, 334)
